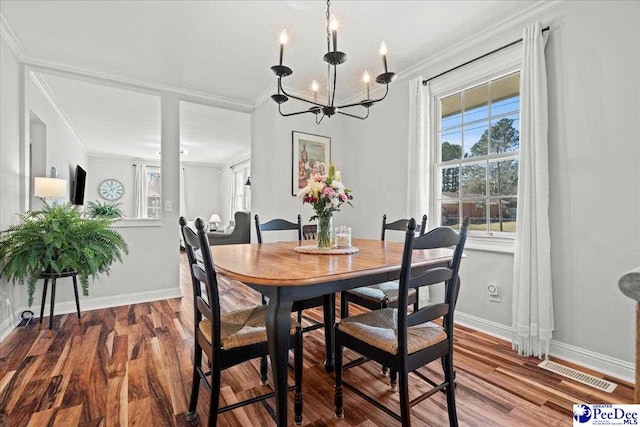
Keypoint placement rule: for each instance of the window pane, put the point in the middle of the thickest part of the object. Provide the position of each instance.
(451, 144)
(450, 182)
(477, 212)
(503, 178)
(505, 134)
(473, 180)
(505, 95)
(450, 108)
(476, 137)
(450, 214)
(476, 102)
(503, 214)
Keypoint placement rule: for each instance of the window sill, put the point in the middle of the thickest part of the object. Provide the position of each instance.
(491, 244)
(137, 222)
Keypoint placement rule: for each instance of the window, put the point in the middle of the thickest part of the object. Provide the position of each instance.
(477, 137)
(241, 193)
(152, 181)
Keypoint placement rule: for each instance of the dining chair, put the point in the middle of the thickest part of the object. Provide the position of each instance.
(405, 342)
(227, 339)
(327, 302)
(384, 294)
(310, 231)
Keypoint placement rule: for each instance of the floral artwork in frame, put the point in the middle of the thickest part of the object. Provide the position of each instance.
(311, 154)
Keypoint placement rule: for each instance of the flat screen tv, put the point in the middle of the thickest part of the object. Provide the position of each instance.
(77, 195)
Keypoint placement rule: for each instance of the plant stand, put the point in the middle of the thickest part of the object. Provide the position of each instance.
(53, 277)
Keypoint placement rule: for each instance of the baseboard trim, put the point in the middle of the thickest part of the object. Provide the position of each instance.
(616, 368)
(66, 307)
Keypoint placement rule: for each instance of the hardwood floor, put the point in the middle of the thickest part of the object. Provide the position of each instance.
(131, 365)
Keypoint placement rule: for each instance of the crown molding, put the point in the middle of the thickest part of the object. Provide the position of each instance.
(10, 36)
(138, 84)
(46, 91)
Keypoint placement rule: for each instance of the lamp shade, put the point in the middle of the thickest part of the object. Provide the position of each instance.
(50, 187)
(215, 218)
(248, 183)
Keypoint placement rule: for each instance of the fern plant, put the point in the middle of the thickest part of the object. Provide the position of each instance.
(58, 239)
(104, 210)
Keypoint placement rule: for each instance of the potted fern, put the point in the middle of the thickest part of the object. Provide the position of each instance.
(57, 239)
(99, 209)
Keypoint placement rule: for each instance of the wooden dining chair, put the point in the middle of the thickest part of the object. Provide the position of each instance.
(230, 338)
(384, 294)
(405, 342)
(327, 302)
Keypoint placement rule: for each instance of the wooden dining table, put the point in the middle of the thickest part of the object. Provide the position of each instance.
(285, 276)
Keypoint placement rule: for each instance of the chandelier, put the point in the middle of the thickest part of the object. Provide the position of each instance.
(333, 58)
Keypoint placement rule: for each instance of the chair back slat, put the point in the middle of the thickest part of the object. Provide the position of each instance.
(204, 308)
(401, 225)
(441, 237)
(427, 314)
(211, 310)
(277, 224)
(430, 277)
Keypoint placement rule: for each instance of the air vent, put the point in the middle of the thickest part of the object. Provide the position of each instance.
(576, 375)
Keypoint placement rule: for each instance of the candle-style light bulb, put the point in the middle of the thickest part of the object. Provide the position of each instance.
(383, 52)
(283, 41)
(366, 78)
(314, 88)
(333, 26)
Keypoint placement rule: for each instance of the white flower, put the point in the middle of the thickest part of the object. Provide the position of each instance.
(337, 176)
(337, 185)
(303, 192)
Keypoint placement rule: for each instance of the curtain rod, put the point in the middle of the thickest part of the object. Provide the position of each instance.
(425, 81)
(238, 164)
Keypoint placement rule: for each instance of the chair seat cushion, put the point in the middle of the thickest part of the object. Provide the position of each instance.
(378, 293)
(379, 328)
(242, 327)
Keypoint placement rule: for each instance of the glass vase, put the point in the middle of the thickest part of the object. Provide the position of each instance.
(325, 231)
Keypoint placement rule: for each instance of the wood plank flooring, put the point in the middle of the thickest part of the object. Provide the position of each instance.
(131, 365)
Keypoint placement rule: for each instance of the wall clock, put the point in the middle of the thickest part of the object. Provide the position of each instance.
(111, 189)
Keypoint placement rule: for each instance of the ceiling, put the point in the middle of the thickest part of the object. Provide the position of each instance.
(225, 48)
(123, 123)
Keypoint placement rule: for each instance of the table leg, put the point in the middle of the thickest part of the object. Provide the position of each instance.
(329, 321)
(278, 335)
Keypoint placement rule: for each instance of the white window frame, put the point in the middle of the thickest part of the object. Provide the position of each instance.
(492, 67)
(149, 170)
(243, 168)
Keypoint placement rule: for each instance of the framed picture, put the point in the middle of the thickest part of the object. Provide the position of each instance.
(311, 153)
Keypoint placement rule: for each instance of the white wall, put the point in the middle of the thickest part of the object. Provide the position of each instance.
(203, 191)
(593, 68)
(271, 159)
(63, 149)
(122, 169)
(10, 201)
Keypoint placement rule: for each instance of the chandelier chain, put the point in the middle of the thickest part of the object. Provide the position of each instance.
(328, 50)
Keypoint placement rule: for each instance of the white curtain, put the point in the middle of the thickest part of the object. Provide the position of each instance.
(532, 296)
(140, 191)
(183, 195)
(419, 161)
(418, 165)
(227, 193)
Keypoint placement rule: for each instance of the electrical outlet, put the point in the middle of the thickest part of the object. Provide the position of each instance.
(494, 292)
(168, 206)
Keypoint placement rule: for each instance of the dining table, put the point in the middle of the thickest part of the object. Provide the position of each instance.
(285, 276)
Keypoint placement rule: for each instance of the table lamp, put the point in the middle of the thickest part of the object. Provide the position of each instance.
(49, 188)
(215, 221)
